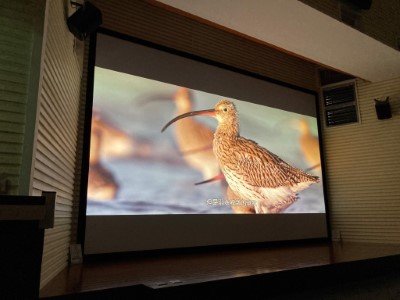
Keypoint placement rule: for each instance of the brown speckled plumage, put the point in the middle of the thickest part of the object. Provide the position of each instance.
(252, 171)
(242, 207)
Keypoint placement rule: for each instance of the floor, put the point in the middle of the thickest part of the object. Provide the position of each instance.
(165, 270)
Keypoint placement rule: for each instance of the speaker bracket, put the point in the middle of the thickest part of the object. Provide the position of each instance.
(75, 4)
(85, 20)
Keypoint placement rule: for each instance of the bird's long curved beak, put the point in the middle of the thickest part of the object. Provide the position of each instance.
(207, 112)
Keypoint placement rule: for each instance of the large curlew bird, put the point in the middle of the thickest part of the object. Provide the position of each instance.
(252, 172)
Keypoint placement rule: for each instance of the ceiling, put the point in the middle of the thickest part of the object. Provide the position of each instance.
(299, 29)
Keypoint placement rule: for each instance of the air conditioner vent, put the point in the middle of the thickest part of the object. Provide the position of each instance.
(343, 115)
(340, 104)
(339, 95)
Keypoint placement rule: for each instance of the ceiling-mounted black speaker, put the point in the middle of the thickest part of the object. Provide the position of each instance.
(363, 4)
(84, 21)
(360, 4)
(383, 110)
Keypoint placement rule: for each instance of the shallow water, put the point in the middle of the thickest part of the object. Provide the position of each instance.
(153, 187)
(156, 187)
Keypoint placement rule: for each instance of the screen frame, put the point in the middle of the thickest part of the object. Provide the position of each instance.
(82, 221)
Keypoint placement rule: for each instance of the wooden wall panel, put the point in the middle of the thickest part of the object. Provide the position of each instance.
(363, 165)
(16, 42)
(140, 19)
(56, 132)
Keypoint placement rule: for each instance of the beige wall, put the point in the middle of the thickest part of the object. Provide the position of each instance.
(56, 131)
(40, 77)
(21, 25)
(363, 169)
(362, 160)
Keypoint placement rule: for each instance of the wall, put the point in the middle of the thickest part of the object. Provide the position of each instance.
(142, 20)
(362, 159)
(54, 153)
(40, 78)
(363, 166)
(21, 25)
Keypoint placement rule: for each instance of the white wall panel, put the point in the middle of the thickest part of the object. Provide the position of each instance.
(363, 164)
(56, 133)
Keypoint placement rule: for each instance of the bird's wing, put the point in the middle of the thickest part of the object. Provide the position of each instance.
(259, 167)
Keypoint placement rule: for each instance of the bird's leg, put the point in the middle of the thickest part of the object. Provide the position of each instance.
(215, 178)
(312, 168)
(261, 208)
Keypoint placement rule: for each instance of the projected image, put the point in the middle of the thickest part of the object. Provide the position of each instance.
(271, 165)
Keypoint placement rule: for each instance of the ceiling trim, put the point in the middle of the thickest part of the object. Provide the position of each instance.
(294, 27)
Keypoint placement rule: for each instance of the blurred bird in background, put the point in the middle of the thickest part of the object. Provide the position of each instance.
(309, 146)
(101, 182)
(194, 139)
(116, 143)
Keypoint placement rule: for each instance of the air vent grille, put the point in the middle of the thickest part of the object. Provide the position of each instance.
(339, 95)
(343, 115)
(340, 104)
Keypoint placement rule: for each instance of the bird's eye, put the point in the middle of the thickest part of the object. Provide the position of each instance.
(225, 109)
